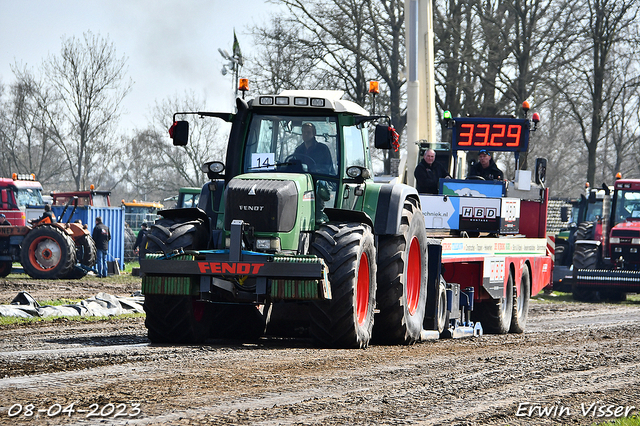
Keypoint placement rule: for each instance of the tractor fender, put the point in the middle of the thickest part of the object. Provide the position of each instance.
(339, 215)
(391, 200)
(188, 213)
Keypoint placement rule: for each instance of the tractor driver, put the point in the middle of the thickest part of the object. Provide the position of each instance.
(47, 216)
(486, 167)
(314, 154)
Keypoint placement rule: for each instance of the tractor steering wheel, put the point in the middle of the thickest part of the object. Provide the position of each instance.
(286, 160)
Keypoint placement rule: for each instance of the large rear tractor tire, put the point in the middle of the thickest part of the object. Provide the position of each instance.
(167, 235)
(85, 255)
(177, 319)
(495, 314)
(345, 321)
(402, 280)
(521, 303)
(5, 268)
(47, 252)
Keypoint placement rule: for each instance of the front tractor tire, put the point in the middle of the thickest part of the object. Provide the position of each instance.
(176, 319)
(47, 252)
(585, 256)
(346, 320)
(167, 235)
(402, 280)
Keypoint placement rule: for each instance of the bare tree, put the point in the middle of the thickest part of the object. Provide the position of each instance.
(607, 29)
(25, 133)
(155, 168)
(339, 44)
(89, 82)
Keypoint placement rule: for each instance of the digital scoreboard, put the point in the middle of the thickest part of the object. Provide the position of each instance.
(492, 134)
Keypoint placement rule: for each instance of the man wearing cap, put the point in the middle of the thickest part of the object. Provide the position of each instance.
(428, 173)
(485, 167)
(4, 221)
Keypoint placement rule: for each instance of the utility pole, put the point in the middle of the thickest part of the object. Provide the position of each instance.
(421, 106)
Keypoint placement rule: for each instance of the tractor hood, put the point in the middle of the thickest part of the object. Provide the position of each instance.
(270, 202)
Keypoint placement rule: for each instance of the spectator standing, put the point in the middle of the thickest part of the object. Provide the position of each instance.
(101, 235)
(141, 234)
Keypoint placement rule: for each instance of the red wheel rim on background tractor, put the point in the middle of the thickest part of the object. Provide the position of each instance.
(362, 289)
(414, 276)
(44, 253)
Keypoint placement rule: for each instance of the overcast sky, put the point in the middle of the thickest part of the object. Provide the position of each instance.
(171, 46)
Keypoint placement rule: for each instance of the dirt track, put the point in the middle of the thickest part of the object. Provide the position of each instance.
(572, 356)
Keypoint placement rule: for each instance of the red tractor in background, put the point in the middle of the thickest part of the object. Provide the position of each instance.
(21, 198)
(606, 262)
(48, 250)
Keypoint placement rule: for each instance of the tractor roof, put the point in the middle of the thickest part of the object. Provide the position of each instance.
(312, 99)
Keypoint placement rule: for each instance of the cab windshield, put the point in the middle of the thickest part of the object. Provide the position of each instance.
(292, 143)
(29, 197)
(627, 206)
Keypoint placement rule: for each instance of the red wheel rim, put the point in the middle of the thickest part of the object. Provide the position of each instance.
(362, 289)
(44, 253)
(414, 276)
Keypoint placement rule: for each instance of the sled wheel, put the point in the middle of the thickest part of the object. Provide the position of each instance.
(495, 314)
(440, 320)
(521, 303)
(47, 252)
(402, 280)
(346, 320)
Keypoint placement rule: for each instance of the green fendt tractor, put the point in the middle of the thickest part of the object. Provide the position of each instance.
(291, 236)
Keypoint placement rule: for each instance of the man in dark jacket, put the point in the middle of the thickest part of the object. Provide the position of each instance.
(4, 221)
(47, 216)
(101, 236)
(316, 155)
(485, 167)
(138, 243)
(428, 173)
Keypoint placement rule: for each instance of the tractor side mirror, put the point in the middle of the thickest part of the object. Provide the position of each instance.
(564, 214)
(383, 137)
(541, 170)
(179, 132)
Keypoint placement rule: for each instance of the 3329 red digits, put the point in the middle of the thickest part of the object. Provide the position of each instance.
(489, 135)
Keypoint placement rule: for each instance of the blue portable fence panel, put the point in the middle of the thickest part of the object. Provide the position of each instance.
(113, 217)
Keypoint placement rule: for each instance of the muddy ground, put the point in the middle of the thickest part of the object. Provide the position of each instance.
(576, 364)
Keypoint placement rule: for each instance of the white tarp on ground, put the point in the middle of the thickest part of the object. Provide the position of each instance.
(102, 304)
